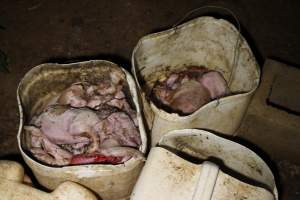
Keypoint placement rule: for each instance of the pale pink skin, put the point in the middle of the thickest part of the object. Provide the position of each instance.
(52, 154)
(215, 83)
(189, 97)
(74, 96)
(119, 130)
(81, 95)
(46, 151)
(61, 125)
(187, 91)
(68, 127)
(84, 94)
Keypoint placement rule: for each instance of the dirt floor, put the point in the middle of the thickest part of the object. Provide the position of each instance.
(38, 31)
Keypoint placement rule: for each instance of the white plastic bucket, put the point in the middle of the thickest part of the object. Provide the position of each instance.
(204, 41)
(44, 82)
(221, 170)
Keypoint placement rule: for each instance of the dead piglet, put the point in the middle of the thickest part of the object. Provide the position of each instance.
(118, 129)
(185, 92)
(121, 103)
(46, 151)
(109, 94)
(91, 95)
(74, 96)
(101, 94)
(66, 125)
(189, 97)
(215, 83)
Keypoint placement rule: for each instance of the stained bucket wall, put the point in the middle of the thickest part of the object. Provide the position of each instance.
(204, 41)
(46, 81)
(196, 164)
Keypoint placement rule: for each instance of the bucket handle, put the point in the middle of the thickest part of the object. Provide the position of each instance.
(235, 55)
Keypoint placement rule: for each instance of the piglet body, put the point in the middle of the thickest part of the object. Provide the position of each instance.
(65, 125)
(185, 92)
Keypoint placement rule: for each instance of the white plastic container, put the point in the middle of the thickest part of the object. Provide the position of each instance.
(12, 186)
(220, 170)
(204, 41)
(44, 82)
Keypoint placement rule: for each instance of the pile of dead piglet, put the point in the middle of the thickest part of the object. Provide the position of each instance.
(96, 123)
(87, 123)
(186, 91)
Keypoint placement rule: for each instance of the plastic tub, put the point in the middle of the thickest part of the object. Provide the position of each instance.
(204, 41)
(45, 81)
(196, 164)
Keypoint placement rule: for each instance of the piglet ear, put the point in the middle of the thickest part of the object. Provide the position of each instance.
(172, 79)
(215, 84)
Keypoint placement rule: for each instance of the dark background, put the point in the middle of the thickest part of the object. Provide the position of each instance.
(36, 31)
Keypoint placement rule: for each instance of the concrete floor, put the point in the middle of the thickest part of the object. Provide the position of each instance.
(38, 31)
(274, 133)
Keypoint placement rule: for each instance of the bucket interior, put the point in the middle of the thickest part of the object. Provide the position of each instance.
(46, 81)
(204, 41)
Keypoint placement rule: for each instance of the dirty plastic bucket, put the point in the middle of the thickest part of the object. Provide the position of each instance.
(13, 187)
(204, 41)
(44, 82)
(195, 164)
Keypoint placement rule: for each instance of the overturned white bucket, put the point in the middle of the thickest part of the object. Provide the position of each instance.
(204, 41)
(44, 82)
(220, 170)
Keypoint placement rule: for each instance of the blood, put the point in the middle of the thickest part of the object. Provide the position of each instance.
(95, 158)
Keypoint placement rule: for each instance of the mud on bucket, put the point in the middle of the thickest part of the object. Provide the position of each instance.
(42, 83)
(204, 41)
(196, 164)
